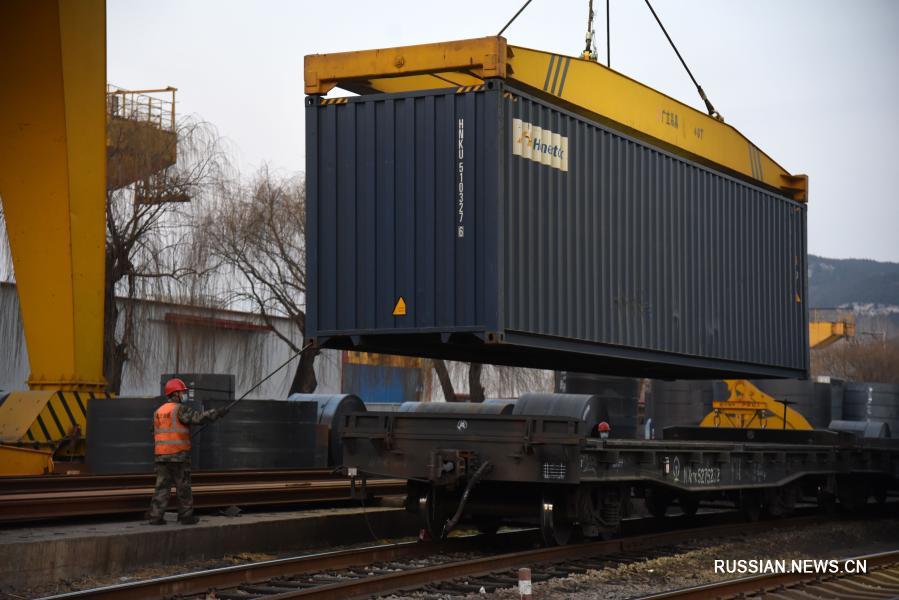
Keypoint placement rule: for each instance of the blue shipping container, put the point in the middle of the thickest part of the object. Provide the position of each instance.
(488, 225)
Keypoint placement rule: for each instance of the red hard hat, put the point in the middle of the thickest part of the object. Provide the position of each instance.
(603, 427)
(174, 385)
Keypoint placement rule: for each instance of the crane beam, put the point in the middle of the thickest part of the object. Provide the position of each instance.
(53, 182)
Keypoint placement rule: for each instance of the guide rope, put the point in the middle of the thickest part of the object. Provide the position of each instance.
(258, 383)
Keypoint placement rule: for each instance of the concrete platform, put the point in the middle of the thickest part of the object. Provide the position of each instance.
(31, 556)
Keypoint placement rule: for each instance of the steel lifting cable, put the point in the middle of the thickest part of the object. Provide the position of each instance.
(608, 36)
(714, 113)
(520, 10)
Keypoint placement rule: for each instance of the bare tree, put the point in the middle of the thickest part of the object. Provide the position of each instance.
(489, 381)
(475, 387)
(511, 382)
(148, 215)
(257, 232)
(446, 382)
(874, 360)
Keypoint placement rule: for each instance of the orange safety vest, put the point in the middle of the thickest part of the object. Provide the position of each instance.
(169, 433)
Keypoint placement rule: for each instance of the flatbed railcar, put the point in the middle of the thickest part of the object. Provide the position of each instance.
(489, 469)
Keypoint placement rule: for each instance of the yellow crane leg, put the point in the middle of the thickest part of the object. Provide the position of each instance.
(53, 182)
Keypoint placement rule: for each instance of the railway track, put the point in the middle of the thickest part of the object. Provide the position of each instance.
(880, 581)
(69, 483)
(458, 565)
(25, 499)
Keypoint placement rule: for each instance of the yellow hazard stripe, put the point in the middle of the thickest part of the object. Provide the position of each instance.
(469, 88)
(63, 414)
(556, 73)
(327, 101)
(55, 418)
(38, 431)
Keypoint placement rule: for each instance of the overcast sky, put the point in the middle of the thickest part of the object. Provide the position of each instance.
(813, 83)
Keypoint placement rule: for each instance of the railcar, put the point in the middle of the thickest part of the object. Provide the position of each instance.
(546, 464)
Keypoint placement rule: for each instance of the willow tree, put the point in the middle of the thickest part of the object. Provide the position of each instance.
(255, 236)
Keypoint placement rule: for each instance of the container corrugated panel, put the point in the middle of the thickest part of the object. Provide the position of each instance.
(519, 233)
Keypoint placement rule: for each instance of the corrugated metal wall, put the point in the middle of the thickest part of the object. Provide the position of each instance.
(638, 248)
(588, 245)
(162, 347)
(383, 180)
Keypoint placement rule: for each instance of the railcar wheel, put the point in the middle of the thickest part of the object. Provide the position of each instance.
(880, 494)
(780, 502)
(853, 494)
(555, 525)
(433, 512)
(487, 525)
(827, 502)
(751, 506)
(657, 502)
(689, 504)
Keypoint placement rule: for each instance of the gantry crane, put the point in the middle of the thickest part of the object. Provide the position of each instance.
(58, 122)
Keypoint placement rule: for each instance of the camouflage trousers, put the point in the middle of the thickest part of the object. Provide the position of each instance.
(167, 475)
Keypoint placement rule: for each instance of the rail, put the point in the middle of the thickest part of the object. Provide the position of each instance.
(30, 484)
(75, 498)
(381, 569)
(153, 106)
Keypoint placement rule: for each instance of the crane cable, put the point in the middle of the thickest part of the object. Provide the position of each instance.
(608, 36)
(590, 47)
(520, 10)
(712, 112)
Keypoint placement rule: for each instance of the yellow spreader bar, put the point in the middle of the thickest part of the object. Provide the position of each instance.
(583, 86)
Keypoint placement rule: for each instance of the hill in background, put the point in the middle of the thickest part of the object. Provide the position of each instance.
(868, 287)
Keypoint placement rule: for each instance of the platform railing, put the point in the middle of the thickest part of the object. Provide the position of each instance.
(155, 106)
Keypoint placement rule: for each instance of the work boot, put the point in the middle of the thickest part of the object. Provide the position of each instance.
(157, 521)
(189, 520)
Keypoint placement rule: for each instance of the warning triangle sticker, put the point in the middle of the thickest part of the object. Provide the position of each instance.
(400, 309)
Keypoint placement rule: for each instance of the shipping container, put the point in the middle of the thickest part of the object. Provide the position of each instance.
(484, 224)
(384, 379)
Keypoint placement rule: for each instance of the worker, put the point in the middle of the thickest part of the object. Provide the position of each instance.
(171, 434)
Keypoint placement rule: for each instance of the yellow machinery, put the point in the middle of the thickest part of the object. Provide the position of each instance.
(54, 140)
(747, 407)
(828, 326)
(581, 85)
